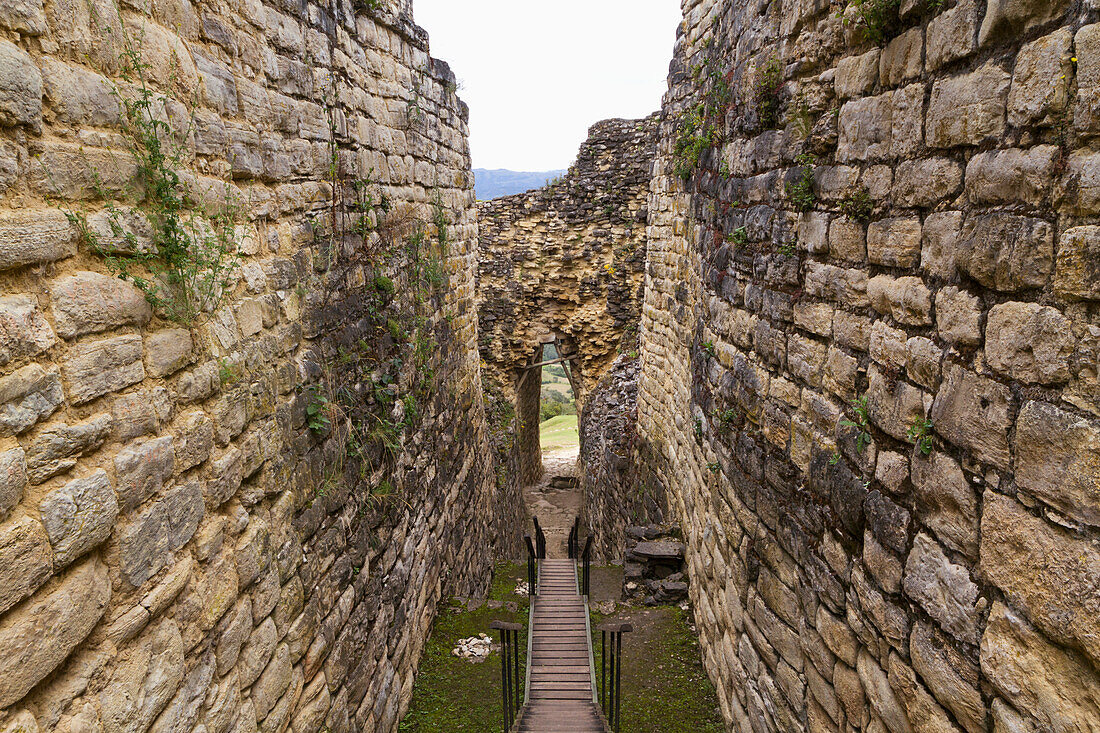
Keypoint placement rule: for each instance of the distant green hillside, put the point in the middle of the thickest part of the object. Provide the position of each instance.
(491, 184)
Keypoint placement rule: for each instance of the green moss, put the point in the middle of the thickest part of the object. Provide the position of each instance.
(452, 695)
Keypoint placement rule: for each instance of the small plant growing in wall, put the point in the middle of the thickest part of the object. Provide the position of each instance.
(739, 236)
(920, 433)
(766, 93)
(787, 248)
(862, 423)
(879, 20)
(317, 410)
(800, 189)
(857, 204)
(708, 346)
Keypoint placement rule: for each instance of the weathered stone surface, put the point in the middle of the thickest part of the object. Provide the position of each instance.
(1006, 18)
(13, 479)
(226, 473)
(273, 682)
(958, 316)
(973, 412)
(1058, 460)
(26, 396)
(24, 15)
(1077, 268)
(881, 694)
(79, 515)
(894, 242)
(59, 446)
(166, 352)
(36, 637)
(23, 330)
(947, 504)
(923, 183)
(967, 109)
(1058, 689)
(88, 302)
(907, 299)
(940, 236)
(143, 545)
(184, 509)
(25, 560)
(1006, 252)
(902, 58)
(1040, 84)
(96, 368)
(182, 712)
(921, 710)
(1034, 563)
(952, 34)
(856, 75)
(257, 652)
(895, 406)
(33, 237)
(144, 682)
(952, 678)
(1011, 176)
(943, 588)
(20, 90)
(1086, 113)
(1029, 342)
(142, 469)
(140, 413)
(78, 96)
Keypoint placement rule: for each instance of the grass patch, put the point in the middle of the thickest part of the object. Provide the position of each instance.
(559, 433)
(451, 695)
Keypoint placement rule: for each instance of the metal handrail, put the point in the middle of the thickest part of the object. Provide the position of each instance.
(574, 538)
(540, 541)
(532, 569)
(611, 673)
(509, 670)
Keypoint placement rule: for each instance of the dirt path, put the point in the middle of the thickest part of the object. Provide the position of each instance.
(555, 508)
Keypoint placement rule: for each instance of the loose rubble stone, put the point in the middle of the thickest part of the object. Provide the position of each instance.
(23, 330)
(1029, 342)
(96, 368)
(79, 516)
(87, 302)
(28, 395)
(943, 588)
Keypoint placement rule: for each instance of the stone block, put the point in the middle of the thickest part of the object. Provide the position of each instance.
(20, 89)
(226, 474)
(921, 710)
(894, 242)
(88, 302)
(952, 677)
(183, 710)
(139, 413)
(888, 345)
(852, 331)
(1058, 460)
(29, 237)
(972, 412)
(1006, 252)
(24, 331)
(1086, 113)
(70, 607)
(1081, 185)
(856, 75)
(13, 479)
(143, 545)
(184, 510)
(166, 352)
(28, 395)
(968, 109)
(847, 240)
(894, 405)
(958, 316)
(26, 561)
(78, 96)
(1011, 176)
(194, 440)
(1028, 342)
(1041, 81)
(58, 447)
(907, 299)
(946, 503)
(924, 183)
(142, 469)
(865, 129)
(96, 368)
(922, 361)
(881, 695)
(1005, 19)
(849, 690)
(952, 35)
(906, 125)
(1058, 688)
(256, 654)
(1077, 266)
(144, 681)
(79, 516)
(943, 589)
(939, 240)
(902, 58)
(26, 16)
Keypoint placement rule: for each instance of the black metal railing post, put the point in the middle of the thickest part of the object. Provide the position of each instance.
(540, 541)
(574, 539)
(510, 683)
(611, 671)
(586, 567)
(532, 570)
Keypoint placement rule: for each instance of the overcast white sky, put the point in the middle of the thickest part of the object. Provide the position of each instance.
(537, 74)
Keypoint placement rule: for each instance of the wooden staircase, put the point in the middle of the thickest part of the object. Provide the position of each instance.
(560, 682)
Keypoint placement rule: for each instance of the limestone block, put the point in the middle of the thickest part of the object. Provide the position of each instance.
(273, 682)
(1040, 82)
(256, 654)
(57, 448)
(883, 566)
(906, 123)
(13, 479)
(892, 471)
(922, 361)
(813, 227)
(958, 316)
(1058, 688)
(194, 440)
(226, 474)
(852, 331)
(952, 678)
(925, 183)
(894, 242)
(921, 709)
(79, 516)
(1006, 252)
(38, 635)
(25, 560)
(20, 87)
(88, 302)
(144, 681)
(946, 502)
(888, 345)
(166, 352)
(1011, 176)
(881, 694)
(219, 88)
(33, 237)
(847, 239)
(1007, 719)
(143, 545)
(225, 705)
(805, 358)
(841, 371)
(1086, 113)
(1008, 18)
(96, 368)
(973, 412)
(952, 35)
(139, 413)
(141, 470)
(849, 690)
(26, 16)
(184, 510)
(1029, 342)
(865, 129)
(235, 633)
(939, 238)
(23, 329)
(26, 396)
(77, 173)
(907, 299)
(968, 109)
(78, 96)
(943, 588)
(856, 75)
(1058, 460)
(1077, 267)
(902, 58)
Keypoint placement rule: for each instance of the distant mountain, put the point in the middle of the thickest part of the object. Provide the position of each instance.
(491, 184)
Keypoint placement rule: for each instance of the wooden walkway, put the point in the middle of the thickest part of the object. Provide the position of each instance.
(559, 683)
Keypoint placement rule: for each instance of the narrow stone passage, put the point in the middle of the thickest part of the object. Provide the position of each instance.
(556, 499)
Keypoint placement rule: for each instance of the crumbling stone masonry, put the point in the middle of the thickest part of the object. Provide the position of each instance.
(187, 541)
(870, 344)
(564, 263)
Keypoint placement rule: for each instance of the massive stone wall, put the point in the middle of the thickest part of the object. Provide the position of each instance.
(564, 263)
(193, 534)
(869, 374)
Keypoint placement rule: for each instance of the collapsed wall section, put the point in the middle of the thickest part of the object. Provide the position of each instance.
(232, 491)
(869, 360)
